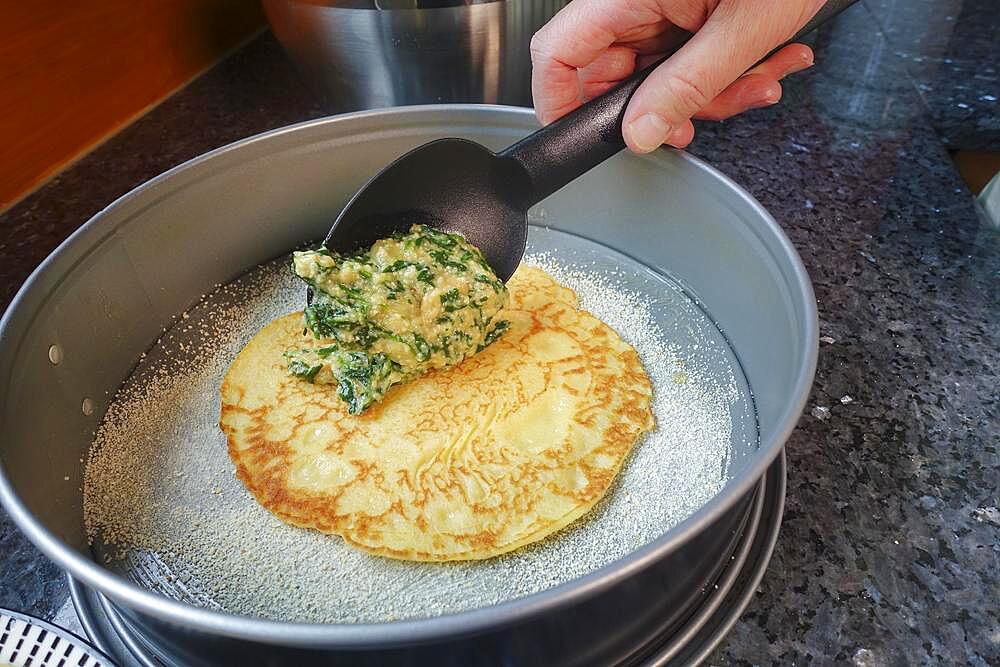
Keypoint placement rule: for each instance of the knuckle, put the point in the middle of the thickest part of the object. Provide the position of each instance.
(686, 93)
(538, 46)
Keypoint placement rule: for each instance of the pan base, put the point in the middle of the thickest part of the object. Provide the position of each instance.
(152, 520)
(688, 643)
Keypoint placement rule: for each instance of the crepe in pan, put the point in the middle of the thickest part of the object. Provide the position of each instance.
(513, 444)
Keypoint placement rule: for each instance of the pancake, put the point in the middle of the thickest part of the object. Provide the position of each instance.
(511, 445)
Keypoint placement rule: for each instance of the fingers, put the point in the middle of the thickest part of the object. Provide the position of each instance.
(573, 39)
(750, 91)
(615, 64)
(667, 40)
(620, 60)
(736, 35)
(759, 87)
(787, 60)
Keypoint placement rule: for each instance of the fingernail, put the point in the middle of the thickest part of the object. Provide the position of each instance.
(768, 97)
(805, 63)
(648, 132)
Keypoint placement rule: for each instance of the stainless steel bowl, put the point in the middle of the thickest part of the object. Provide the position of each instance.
(368, 54)
(105, 294)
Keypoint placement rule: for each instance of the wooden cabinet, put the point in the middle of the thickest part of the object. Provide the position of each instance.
(74, 71)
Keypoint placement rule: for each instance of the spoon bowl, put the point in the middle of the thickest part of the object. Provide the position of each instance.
(455, 185)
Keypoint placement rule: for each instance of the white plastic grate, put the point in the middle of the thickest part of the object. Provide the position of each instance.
(30, 642)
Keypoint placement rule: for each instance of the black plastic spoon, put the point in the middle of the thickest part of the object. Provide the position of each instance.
(459, 185)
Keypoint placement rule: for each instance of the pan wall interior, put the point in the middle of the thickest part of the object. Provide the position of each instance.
(106, 295)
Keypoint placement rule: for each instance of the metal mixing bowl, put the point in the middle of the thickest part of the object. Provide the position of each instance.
(104, 295)
(364, 54)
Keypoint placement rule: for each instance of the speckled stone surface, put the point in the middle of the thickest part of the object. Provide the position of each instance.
(890, 547)
(949, 48)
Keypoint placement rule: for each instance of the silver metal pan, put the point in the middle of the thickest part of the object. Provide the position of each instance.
(102, 298)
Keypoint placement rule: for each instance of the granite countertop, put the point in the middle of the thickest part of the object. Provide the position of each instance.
(949, 50)
(890, 547)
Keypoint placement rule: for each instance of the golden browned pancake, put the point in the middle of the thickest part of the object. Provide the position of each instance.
(469, 462)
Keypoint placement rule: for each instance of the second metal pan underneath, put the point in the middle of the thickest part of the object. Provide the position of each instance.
(687, 643)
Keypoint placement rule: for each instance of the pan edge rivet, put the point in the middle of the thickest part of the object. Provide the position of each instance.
(87, 407)
(55, 354)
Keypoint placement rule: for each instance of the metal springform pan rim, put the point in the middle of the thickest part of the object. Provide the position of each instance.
(450, 626)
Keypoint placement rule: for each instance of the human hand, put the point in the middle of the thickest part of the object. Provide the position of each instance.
(592, 45)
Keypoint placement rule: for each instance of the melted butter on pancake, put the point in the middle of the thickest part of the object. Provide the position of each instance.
(468, 462)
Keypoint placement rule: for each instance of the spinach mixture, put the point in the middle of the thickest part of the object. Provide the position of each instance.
(418, 301)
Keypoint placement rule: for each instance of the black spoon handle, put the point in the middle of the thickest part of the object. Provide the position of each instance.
(579, 141)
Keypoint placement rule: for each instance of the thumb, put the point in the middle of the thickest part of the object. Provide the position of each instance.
(736, 36)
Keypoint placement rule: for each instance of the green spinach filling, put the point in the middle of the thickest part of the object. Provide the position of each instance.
(411, 303)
